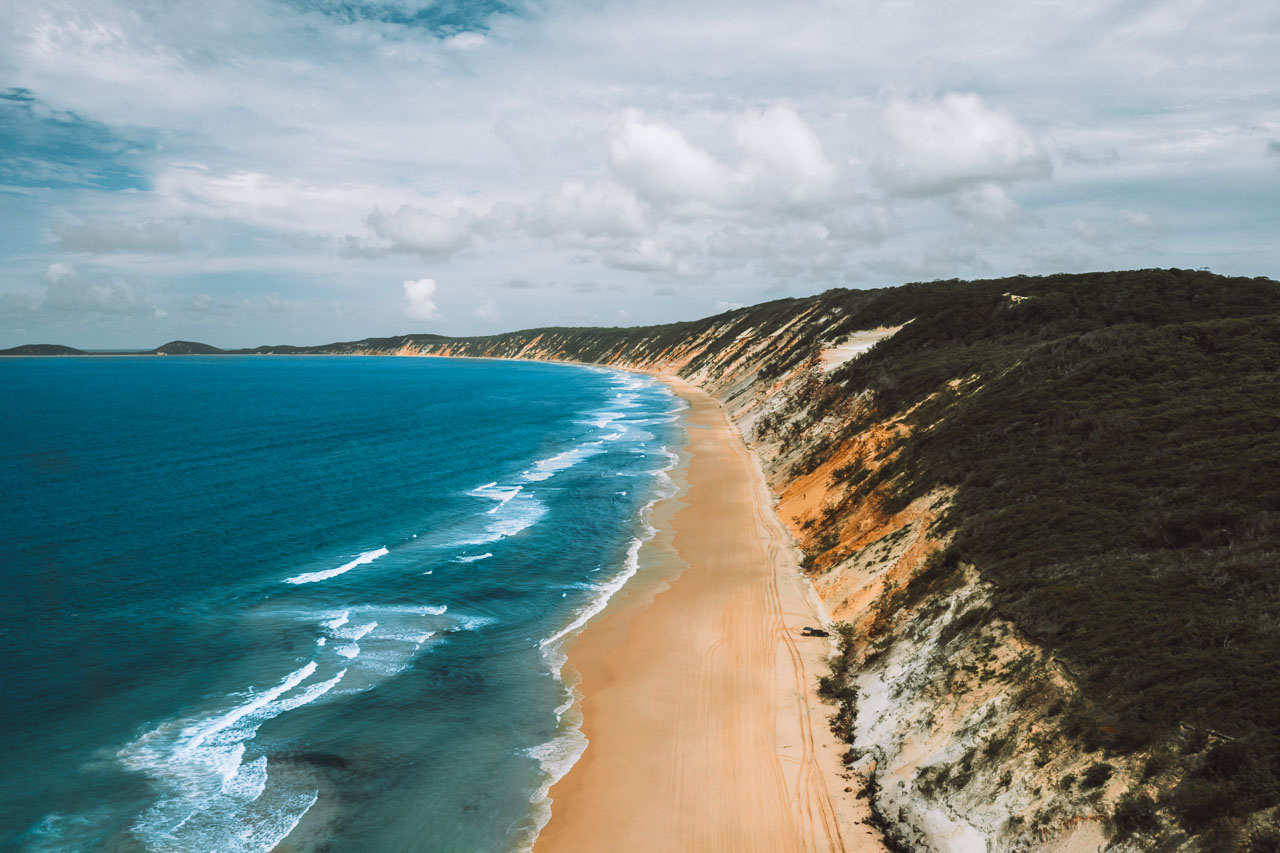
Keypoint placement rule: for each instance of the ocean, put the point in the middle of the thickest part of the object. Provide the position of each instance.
(306, 603)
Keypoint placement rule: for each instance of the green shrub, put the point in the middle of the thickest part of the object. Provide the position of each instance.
(1135, 813)
(1096, 776)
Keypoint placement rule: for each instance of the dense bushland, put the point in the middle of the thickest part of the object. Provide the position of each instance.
(1117, 460)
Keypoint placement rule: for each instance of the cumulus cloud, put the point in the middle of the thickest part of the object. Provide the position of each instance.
(416, 231)
(66, 292)
(642, 256)
(870, 225)
(419, 301)
(948, 260)
(775, 163)
(274, 201)
(1139, 220)
(1090, 233)
(986, 207)
(784, 159)
(579, 212)
(487, 311)
(98, 236)
(940, 145)
(660, 164)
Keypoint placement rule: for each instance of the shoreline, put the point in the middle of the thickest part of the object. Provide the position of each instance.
(702, 733)
(696, 694)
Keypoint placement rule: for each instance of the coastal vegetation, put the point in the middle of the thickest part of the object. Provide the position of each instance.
(1113, 443)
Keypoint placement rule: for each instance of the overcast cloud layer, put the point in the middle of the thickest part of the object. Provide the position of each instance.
(253, 172)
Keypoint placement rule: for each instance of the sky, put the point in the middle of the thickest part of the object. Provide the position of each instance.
(245, 172)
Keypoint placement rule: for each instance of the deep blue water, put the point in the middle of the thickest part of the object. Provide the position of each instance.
(319, 599)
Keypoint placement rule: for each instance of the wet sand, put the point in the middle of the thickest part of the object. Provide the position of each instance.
(697, 688)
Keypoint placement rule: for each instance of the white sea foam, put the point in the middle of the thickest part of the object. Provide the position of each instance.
(559, 754)
(415, 637)
(664, 488)
(555, 758)
(212, 799)
(313, 577)
(607, 590)
(354, 634)
(516, 516)
(545, 469)
(602, 419)
(514, 512)
(472, 559)
(376, 642)
(502, 494)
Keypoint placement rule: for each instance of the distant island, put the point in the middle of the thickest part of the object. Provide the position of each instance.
(1044, 515)
(186, 348)
(42, 349)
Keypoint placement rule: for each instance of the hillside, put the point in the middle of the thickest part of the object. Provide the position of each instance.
(186, 348)
(42, 349)
(1046, 512)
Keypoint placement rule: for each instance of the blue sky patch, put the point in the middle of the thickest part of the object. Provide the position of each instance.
(41, 147)
(443, 18)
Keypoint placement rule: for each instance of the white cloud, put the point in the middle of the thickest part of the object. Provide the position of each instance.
(97, 235)
(57, 272)
(487, 311)
(1090, 233)
(281, 203)
(1139, 220)
(414, 230)
(937, 146)
(986, 206)
(869, 226)
(773, 163)
(419, 300)
(658, 162)
(579, 212)
(642, 256)
(785, 161)
(66, 292)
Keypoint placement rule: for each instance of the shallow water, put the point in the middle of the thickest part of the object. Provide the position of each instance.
(311, 599)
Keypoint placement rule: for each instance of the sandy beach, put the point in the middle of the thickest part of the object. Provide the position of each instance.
(697, 689)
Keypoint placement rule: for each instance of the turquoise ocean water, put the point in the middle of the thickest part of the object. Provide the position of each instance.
(313, 602)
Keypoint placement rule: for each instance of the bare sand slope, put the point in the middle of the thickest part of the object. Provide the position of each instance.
(704, 734)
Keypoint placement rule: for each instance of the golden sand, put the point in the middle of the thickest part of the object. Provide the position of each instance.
(697, 688)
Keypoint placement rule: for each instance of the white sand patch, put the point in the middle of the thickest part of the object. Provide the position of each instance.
(853, 346)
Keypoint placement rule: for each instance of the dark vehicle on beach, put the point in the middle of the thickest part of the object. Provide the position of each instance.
(806, 631)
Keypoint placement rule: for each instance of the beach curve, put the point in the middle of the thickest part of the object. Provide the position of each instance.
(696, 691)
